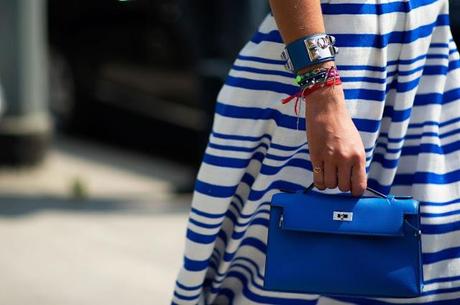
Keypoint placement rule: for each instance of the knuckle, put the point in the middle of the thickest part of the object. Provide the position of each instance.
(320, 186)
(342, 155)
(344, 188)
(358, 157)
(329, 153)
(331, 184)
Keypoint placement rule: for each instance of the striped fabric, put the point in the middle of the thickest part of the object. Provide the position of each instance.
(401, 75)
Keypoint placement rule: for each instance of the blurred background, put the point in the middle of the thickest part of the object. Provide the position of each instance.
(106, 107)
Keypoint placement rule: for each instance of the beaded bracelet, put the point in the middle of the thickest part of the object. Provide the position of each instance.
(306, 91)
(302, 77)
(333, 78)
(318, 77)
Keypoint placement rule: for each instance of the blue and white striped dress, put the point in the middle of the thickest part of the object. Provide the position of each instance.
(401, 75)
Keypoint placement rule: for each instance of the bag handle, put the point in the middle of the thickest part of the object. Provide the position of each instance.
(367, 188)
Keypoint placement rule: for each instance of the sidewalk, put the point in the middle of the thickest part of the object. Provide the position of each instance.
(91, 226)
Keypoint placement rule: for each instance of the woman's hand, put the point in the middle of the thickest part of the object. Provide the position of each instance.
(334, 142)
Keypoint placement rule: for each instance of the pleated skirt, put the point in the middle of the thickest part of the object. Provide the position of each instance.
(400, 69)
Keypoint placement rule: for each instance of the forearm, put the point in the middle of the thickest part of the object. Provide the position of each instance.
(299, 18)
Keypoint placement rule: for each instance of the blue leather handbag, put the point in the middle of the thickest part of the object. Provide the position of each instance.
(342, 245)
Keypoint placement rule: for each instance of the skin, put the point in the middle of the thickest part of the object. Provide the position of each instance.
(333, 140)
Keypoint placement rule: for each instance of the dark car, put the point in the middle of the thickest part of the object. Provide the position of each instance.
(162, 60)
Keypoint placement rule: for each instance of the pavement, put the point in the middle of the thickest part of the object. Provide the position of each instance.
(91, 225)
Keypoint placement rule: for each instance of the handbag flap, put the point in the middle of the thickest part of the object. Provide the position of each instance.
(340, 213)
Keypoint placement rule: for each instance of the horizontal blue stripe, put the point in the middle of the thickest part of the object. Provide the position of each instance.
(441, 214)
(410, 72)
(451, 253)
(442, 290)
(385, 163)
(204, 214)
(442, 279)
(430, 148)
(281, 119)
(437, 56)
(439, 45)
(363, 79)
(253, 222)
(428, 177)
(407, 61)
(194, 265)
(427, 134)
(186, 298)
(263, 71)
(231, 162)
(434, 215)
(239, 220)
(454, 64)
(361, 67)
(384, 146)
(238, 148)
(200, 237)
(250, 242)
(440, 228)
(184, 287)
(396, 115)
(372, 9)
(368, 40)
(440, 203)
(266, 85)
(214, 190)
(435, 70)
(234, 262)
(205, 225)
(434, 123)
(240, 137)
(261, 60)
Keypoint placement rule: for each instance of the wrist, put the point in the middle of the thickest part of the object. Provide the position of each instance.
(326, 98)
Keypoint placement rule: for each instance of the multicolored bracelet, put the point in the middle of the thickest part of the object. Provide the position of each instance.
(320, 75)
(301, 77)
(332, 78)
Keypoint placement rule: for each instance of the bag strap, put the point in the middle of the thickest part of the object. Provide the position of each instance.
(367, 188)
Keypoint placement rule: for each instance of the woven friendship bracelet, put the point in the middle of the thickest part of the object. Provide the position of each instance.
(299, 78)
(317, 77)
(332, 78)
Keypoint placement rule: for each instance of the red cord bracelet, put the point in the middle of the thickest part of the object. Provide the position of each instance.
(331, 81)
